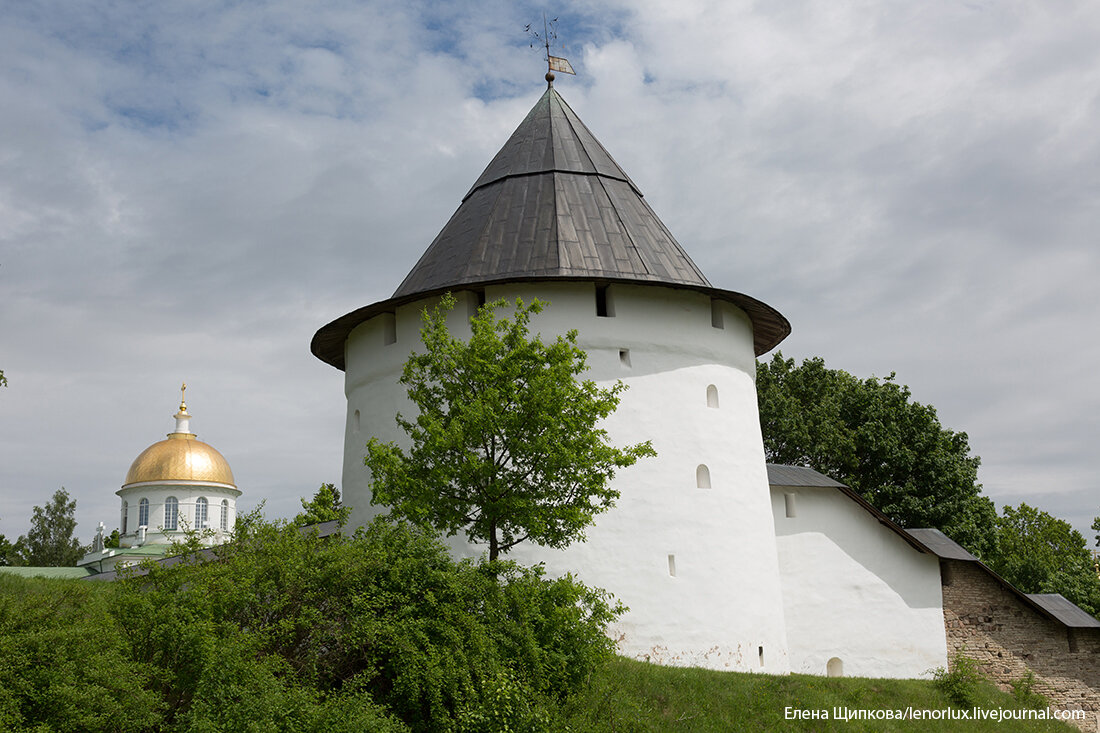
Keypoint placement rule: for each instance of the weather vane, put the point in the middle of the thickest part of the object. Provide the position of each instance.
(548, 36)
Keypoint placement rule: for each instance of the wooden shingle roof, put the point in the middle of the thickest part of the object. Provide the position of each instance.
(552, 204)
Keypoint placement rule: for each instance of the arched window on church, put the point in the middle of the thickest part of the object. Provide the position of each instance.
(702, 477)
(125, 513)
(171, 513)
(201, 505)
(143, 512)
(225, 515)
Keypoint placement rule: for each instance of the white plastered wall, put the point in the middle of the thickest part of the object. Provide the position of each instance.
(854, 590)
(722, 608)
(187, 494)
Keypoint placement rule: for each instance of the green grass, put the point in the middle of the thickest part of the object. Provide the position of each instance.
(629, 696)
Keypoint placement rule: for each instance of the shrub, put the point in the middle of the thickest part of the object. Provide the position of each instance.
(286, 626)
(64, 664)
(1023, 690)
(960, 683)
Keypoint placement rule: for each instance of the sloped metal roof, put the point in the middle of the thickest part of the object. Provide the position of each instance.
(551, 138)
(1065, 610)
(552, 204)
(942, 545)
(783, 475)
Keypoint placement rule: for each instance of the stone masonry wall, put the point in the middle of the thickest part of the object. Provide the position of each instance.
(1007, 637)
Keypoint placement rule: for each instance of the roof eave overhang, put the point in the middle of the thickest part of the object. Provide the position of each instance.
(769, 326)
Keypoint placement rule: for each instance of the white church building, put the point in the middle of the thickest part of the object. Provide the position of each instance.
(175, 487)
(719, 566)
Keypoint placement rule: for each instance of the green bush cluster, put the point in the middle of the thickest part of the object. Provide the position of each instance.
(961, 682)
(1023, 691)
(287, 630)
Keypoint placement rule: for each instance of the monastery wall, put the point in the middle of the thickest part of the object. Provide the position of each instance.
(849, 584)
(1007, 637)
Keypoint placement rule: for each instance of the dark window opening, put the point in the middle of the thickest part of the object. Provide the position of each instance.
(605, 306)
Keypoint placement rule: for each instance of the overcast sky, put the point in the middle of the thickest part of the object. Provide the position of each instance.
(188, 191)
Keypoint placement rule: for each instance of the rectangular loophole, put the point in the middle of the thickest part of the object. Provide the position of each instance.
(605, 306)
(761, 652)
(389, 328)
(672, 565)
(716, 314)
(624, 357)
(790, 505)
(474, 302)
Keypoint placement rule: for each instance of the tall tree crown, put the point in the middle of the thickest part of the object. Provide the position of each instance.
(506, 445)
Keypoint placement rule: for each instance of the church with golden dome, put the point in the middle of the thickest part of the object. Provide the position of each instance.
(173, 487)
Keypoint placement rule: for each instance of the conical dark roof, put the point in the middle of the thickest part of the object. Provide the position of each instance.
(552, 204)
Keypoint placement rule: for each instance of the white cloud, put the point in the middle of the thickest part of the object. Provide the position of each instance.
(189, 192)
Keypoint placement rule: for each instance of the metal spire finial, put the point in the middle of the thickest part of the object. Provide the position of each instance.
(549, 35)
(183, 398)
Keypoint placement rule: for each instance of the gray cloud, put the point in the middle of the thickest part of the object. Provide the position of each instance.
(188, 194)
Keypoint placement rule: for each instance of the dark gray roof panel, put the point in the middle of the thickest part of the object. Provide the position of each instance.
(941, 544)
(552, 225)
(550, 138)
(780, 475)
(1065, 610)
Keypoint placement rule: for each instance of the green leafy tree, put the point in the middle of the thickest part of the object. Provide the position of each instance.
(1039, 553)
(8, 554)
(1096, 528)
(113, 539)
(323, 507)
(866, 433)
(50, 541)
(506, 446)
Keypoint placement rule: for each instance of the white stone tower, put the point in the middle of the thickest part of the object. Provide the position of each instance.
(690, 547)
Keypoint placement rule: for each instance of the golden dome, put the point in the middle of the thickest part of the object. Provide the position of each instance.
(180, 458)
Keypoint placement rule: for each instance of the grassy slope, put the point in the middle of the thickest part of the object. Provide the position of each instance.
(631, 696)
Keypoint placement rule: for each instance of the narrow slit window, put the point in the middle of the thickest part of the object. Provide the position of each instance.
(760, 651)
(125, 516)
(474, 303)
(790, 505)
(702, 477)
(624, 357)
(225, 516)
(672, 566)
(355, 421)
(389, 329)
(712, 396)
(716, 314)
(605, 306)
